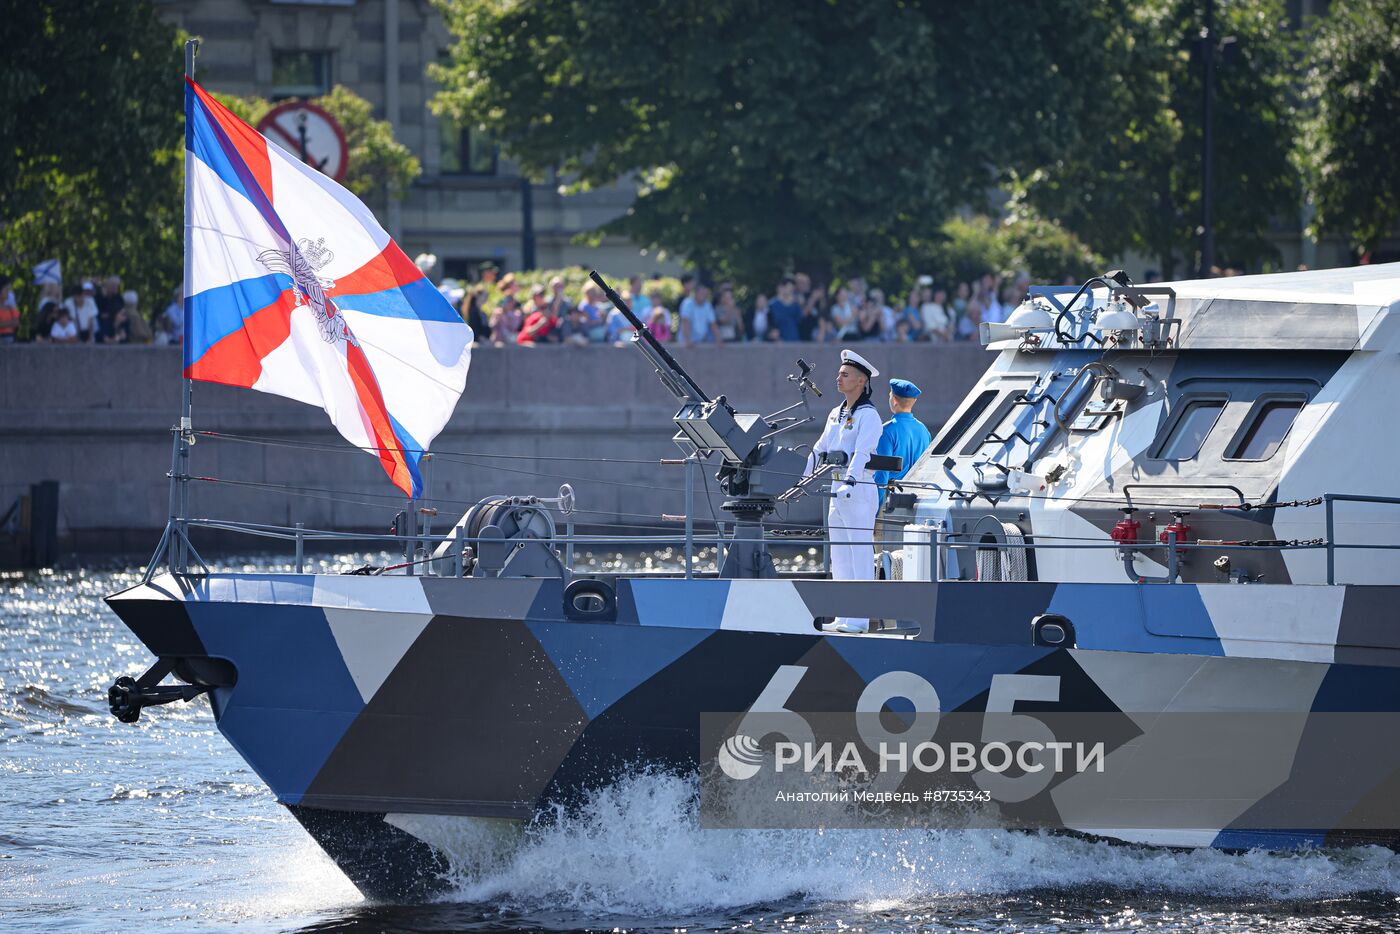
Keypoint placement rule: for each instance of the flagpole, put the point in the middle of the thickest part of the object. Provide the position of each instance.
(184, 433)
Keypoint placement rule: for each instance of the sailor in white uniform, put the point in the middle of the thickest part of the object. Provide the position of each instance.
(853, 428)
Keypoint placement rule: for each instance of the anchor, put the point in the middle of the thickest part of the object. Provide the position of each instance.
(129, 695)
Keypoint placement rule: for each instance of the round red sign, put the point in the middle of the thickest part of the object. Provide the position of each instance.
(309, 133)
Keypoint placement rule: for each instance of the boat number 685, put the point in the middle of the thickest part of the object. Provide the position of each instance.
(770, 714)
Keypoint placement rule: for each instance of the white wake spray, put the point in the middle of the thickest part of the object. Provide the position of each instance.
(636, 848)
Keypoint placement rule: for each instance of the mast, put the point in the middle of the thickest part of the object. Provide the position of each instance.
(175, 543)
(1208, 48)
(191, 48)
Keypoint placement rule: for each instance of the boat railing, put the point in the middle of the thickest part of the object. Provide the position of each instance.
(1174, 550)
(420, 550)
(1329, 501)
(1181, 485)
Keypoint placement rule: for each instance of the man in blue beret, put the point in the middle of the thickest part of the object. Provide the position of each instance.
(903, 436)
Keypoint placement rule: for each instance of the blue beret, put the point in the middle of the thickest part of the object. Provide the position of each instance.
(904, 389)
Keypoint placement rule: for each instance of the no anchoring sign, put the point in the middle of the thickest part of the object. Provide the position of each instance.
(309, 133)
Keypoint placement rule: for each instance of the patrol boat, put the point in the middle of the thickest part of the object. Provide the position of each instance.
(1158, 501)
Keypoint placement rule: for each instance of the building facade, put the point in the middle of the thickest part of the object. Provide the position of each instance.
(471, 204)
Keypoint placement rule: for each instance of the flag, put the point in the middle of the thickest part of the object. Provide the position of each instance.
(48, 272)
(293, 288)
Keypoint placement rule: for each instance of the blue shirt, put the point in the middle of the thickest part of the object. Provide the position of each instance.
(904, 436)
(696, 320)
(783, 316)
(615, 325)
(913, 319)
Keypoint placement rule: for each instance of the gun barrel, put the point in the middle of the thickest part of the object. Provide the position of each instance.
(653, 347)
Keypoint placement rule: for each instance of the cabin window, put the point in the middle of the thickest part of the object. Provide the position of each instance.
(959, 428)
(1265, 430)
(1001, 425)
(1188, 431)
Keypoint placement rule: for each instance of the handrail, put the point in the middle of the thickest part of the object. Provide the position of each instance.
(1144, 546)
(1100, 369)
(940, 542)
(1128, 497)
(290, 533)
(1327, 500)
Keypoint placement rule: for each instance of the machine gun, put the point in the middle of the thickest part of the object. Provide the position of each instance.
(754, 469)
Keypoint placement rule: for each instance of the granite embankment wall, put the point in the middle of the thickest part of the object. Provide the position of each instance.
(97, 420)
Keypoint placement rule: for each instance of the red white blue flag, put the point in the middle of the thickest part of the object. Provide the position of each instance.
(293, 288)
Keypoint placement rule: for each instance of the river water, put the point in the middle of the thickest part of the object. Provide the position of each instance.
(161, 827)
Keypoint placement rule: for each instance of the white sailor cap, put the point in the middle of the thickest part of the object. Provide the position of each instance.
(859, 362)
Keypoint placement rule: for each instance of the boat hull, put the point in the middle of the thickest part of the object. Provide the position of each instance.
(377, 707)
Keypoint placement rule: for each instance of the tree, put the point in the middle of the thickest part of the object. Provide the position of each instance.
(90, 115)
(1047, 251)
(378, 167)
(966, 248)
(791, 132)
(1136, 184)
(1351, 141)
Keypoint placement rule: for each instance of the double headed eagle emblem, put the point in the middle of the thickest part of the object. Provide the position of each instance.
(303, 261)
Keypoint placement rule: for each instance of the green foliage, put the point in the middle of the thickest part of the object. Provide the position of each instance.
(1136, 183)
(967, 248)
(1045, 250)
(90, 116)
(1351, 141)
(379, 165)
(961, 250)
(818, 135)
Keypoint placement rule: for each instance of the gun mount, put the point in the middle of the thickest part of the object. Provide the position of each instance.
(755, 470)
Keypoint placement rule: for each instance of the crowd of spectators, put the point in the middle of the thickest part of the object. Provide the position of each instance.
(91, 314)
(505, 312)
